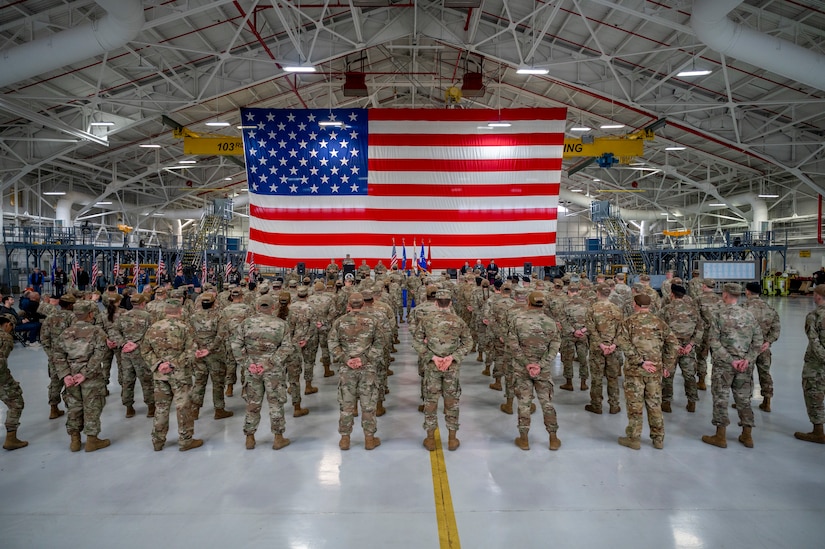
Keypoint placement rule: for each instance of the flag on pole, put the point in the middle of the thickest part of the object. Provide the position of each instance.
(95, 274)
(116, 269)
(178, 264)
(161, 272)
(422, 261)
(135, 274)
(323, 191)
(253, 269)
(414, 260)
(204, 268)
(394, 258)
(54, 267)
(75, 268)
(403, 255)
(430, 256)
(227, 269)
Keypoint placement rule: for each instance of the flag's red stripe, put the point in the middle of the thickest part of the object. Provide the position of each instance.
(437, 264)
(375, 239)
(468, 115)
(463, 216)
(463, 166)
(462, 140)
(474, 191)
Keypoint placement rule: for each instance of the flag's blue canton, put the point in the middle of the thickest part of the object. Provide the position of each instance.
(288, 153)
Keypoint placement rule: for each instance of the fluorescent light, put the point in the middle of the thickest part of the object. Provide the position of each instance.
(596, 180)
(694, 72)
(612, 126)
(246, 127)
(218, 124)
(717, 204)
(227, 179)
(104, 203)
(54, 193)
(102, 124)
(187, 161)
(662, 213)
(768, 196)
(580, 129)
(149, 146)
(532, 70)
(645, 169)
(576, 190)
(299, 68)
(335, 123)
(675, 148)
(498, 125)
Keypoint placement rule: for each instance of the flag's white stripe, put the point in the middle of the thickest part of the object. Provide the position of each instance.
(464, 127)
(315, 203)
(546, 177)
(460, 254)
(550, 152)
(403, 228)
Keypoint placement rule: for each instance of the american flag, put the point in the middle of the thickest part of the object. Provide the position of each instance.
(75, 268)
(324, 191)
(116, 269)
(161, 272)
(227, 269)
(253, 269)
(204, 268)
(394, 258)
(135, 274)
(95, 273)
(178, 264)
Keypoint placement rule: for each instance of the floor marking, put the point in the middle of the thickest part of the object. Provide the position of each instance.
(444, 512)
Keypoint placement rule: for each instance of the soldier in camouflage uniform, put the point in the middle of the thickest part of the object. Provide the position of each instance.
(650, 351)
(768, 320)
(519, 304)
(813, 371)
(210, 360)
(683, 318)
(382, 316)
(442, 339)
(695, 285)
(157, 307)
(299, 332)
(421, 310)
(332, 270)
(354, 343)
(666, 283)
(78, 354)
(52, 327)
(169, 350)
(534, 340)
(231, 317)
(129, 330)
(306, 323)
(574, 329)
(622, 295)
(479, 298)
(412, 284)
(708, 301)
(261, 345)
(323, 311)
(603, 322)
(10, 392)
(655, 299)
(735, 340)
(498, 326)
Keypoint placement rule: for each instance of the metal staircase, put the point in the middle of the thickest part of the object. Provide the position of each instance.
(619, 235)
(210, 225)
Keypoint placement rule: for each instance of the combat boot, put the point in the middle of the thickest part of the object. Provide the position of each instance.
(280, 442)
(615, 408)
(150, 412)
(480, 357)
(522, 441)
(486, 371)
(196, 412)
(343, 444)
(130, 411)
(555, 443)
(390, 373)
(250, 441)
(658, 443)
(766, 404)
(158, 445)
(371, 442)
(746, 438)
(229, 390)
(327, 370)
(507, 407)
(584, 386)
(701, 384)
(429, 442)
(452, 442)
(718, 439)
(12, 442)
(691, 406)
(191, 445)
(594, 409)
(55, 412)
(496, 385)
(74, 445)
(421, 408)
(629, 442)
(816, 435)
(379, 409)
(93, 443)
(221, 413)
(532, 407)
(299, 412)
(310, 389)
(666, 407)
(392, 358)
(567, 386)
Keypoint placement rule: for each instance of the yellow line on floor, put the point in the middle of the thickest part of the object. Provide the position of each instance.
(444, 512)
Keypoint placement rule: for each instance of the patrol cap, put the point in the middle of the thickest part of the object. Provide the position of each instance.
(676, 280)
(162, 290)
(67, 298)
(432, 289)
(644, 277)
(574, 287)
(820, 289)
(620, 277)
(709, 282)
(265, 302)
(678, 289)
(349, 276)
(339, 284)
(82, 308)
(235, 292)
(293, 283)
(485, 283)
(355, 300)
(319, 286)
(367, 295)
(179, 293)
(520, 293)
(277, 283)
(10, 317)
(137, 299)
(642, 300)
(303, 291)
(443, 294)
(284, 297)
(307, 280)
(171, 302)
(536, 298)
(603, 290)
(507, 287)
(558, 283)
(206, 298)
(754, 287)
(732, 288)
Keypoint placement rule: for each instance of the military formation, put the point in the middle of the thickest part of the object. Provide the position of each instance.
(267, 336)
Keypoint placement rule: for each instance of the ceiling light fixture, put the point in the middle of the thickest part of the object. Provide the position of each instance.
(227, 179)
(499, 125)
(768, 195)
(54, 193)
(717, 204)
(299, 68)
(149, 146)
(694, 72)
(104, 203)
(576, 190)
(580, 129)
(675, 148)
(596, 180)
(106, 124)
(532, 70)
(612, 126)
(187, 161)
(218, 124)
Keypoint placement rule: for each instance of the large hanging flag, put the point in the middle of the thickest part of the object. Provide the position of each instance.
(394, 256)
(320, 191)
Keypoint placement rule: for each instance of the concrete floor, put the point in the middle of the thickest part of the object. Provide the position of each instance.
(591, 493)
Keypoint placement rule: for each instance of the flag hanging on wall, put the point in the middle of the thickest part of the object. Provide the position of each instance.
(319, 190)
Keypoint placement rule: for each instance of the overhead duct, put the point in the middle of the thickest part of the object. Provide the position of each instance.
(710, 23)
(122, 23)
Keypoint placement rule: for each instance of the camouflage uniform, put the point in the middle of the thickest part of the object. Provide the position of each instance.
(708, 302)
(412, 284)
(499, 305)
(231, 317)
(768, 320)
(572, 320)
(645, 337)
(50, 331)
(332, 271)
(533, 338)
(603, 322)
(132, 326)
(306, 321)
(263, 339)
(323, 307)
(301, 329)
(733, 334)
(686, 323)
(80, 350)
(10, 392)
(441, 334)
(204, 324)
(519, 305)
(622, 296)
(383, 341)
(356, 335)
(813, 371)
(171, 340)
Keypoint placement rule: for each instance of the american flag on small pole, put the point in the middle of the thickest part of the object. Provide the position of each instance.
(116, 269)
(135, 273)
(161, 272)
(253, 269)
(394, 258)
(178, 264)
(227, 269)
(95, 273)
(75, 268)
(204, 268)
